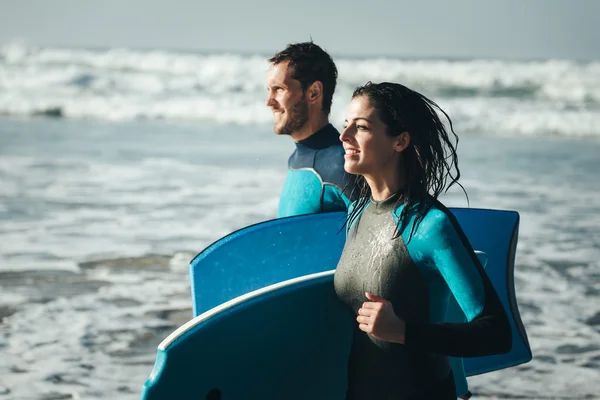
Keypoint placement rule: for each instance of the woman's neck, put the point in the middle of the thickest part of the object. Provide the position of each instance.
(384, 186)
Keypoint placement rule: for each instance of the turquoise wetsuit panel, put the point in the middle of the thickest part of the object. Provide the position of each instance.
(300, 184)
(334, 199)
(439, 245)
(437, 248)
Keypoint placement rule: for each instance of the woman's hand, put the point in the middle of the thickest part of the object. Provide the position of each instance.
(377, 318)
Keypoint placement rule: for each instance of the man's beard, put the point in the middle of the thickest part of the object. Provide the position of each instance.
(297, 118)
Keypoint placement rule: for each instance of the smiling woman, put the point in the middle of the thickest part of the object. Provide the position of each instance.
(405, 254)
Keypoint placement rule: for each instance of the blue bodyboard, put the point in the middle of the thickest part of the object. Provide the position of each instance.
(278, 250)
(288, 341)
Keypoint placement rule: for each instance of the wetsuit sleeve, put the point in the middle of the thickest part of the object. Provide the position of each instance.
(334, 199)
(445, 247)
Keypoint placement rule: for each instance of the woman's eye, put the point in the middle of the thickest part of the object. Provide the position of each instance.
(361, 127)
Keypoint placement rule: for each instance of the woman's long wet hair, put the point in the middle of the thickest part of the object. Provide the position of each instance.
(429, 164)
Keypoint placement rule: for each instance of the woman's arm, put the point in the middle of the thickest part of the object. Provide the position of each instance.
(488, 329)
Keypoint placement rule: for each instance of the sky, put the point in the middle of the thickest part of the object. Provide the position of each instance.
(515, 29)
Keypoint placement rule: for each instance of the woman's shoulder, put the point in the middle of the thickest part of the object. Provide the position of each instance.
(437, 217)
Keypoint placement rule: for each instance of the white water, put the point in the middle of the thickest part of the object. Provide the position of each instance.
(553, 97)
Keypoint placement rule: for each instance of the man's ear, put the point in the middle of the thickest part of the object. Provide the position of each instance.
(314, 93)
(402, 141)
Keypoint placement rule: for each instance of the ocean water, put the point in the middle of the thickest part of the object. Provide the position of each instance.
(544, 97)
(118, 166)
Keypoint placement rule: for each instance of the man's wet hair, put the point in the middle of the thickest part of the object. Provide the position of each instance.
(310, 63)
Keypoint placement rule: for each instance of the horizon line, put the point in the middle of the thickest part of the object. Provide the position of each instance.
(267, 53)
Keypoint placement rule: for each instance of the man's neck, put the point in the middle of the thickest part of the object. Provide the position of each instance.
(311, 127)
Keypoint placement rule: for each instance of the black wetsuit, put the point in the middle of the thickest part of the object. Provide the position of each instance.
(417, 277)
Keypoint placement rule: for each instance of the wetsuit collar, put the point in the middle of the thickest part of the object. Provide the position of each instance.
(324, 137)
(388, 204)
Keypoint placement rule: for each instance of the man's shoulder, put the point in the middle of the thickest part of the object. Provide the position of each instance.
(329, 164)
(333, 154)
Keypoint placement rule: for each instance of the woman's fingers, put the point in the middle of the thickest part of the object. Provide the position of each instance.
(372, 305)
(369, 312)
(365, 328)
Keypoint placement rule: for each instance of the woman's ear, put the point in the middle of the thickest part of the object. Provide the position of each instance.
(402, 141)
